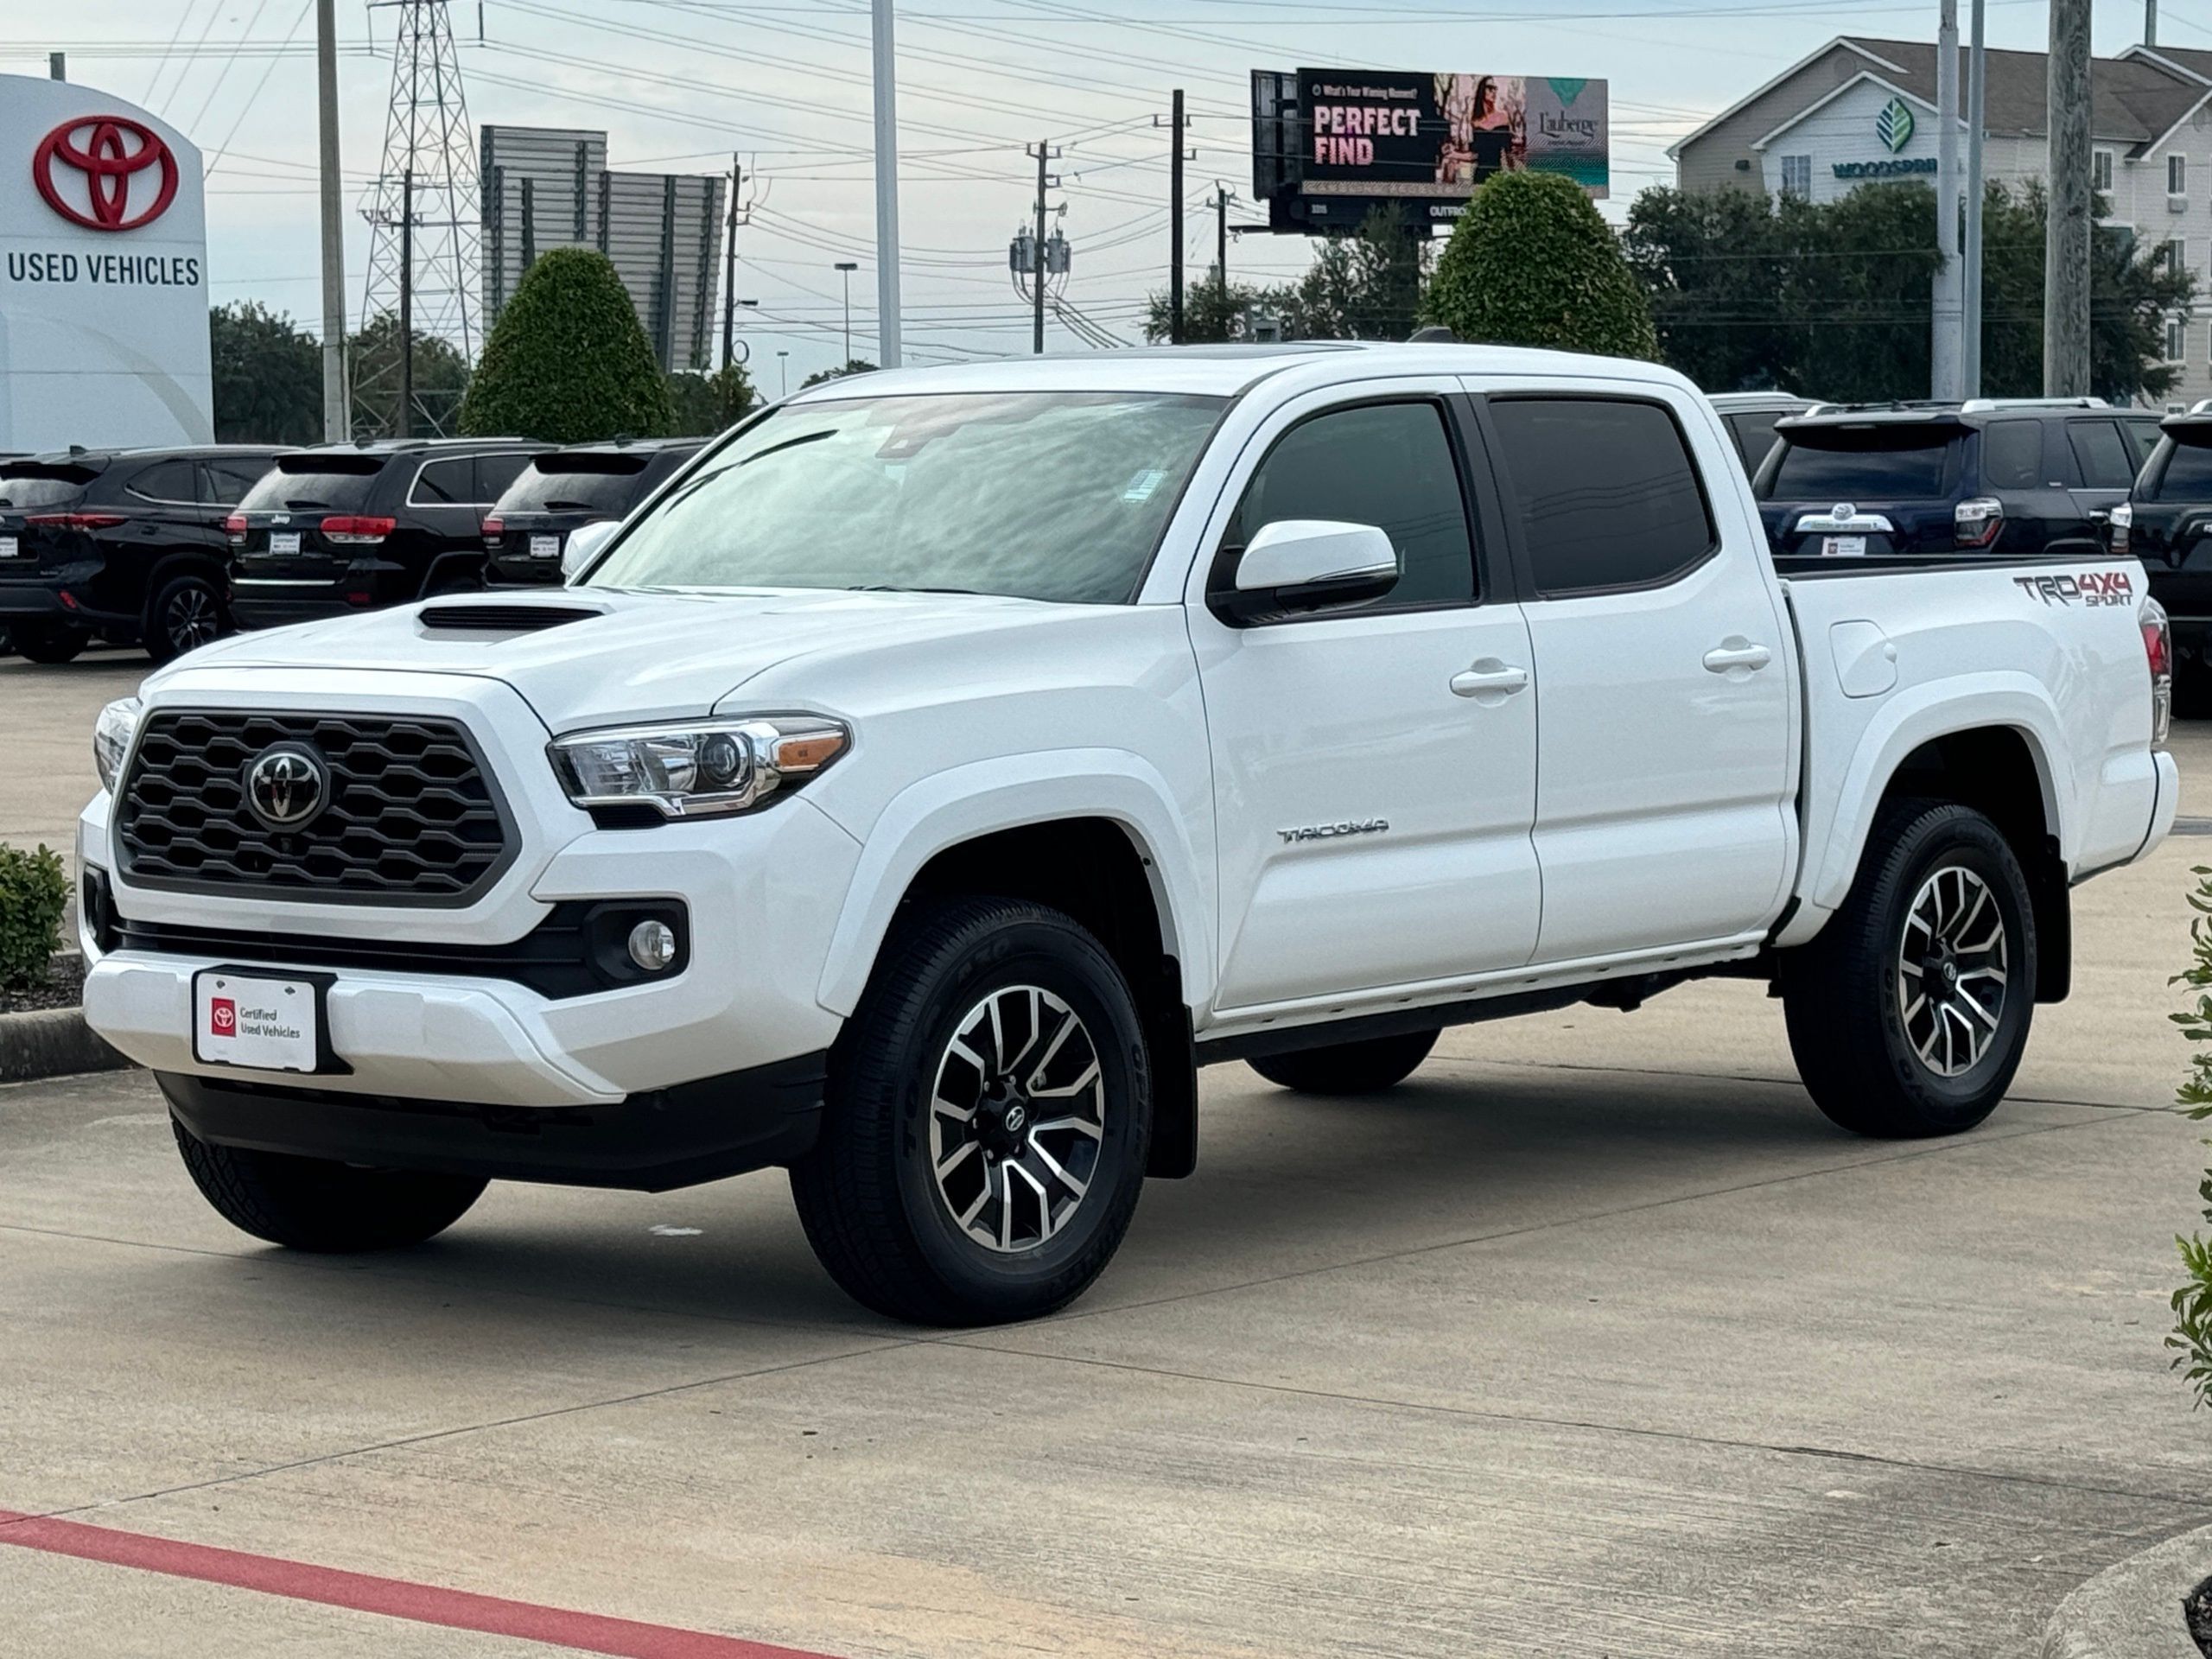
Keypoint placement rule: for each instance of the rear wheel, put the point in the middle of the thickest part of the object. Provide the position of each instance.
(1908, 1011)
(988, 1109)
(185, 613)
(313, 1204)
(48, 642)
(1360, 1068)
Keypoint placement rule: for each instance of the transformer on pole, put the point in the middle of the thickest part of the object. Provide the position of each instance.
(425, 227)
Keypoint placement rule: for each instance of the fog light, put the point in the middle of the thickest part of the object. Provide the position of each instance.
(652, 945)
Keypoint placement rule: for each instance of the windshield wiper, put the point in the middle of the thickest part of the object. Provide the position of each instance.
(901, 588)
(570, 507)
(307, 504)
(788, 444)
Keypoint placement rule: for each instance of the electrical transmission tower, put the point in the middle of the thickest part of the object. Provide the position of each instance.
(425, 234)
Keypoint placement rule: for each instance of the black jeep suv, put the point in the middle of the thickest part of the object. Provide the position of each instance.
(124, 543)
(2166, 522)
(1989, 475)
(565, 490)
(348, 526)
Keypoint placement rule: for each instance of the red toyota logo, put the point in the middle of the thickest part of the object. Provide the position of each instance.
(222, 1017)
(111, 151)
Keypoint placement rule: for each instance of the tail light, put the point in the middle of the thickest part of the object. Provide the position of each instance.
(348, 530)
(1977, 523)
(234, 529)
(494, 528)
(75, 520)
(2158, 651)
(2119, 528)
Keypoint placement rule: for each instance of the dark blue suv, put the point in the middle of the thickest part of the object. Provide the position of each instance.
(2008, 477)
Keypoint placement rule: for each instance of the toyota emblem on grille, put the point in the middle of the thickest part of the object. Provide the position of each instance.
(287, 785)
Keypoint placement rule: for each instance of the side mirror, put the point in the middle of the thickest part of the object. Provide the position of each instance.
(583, 545)
(1298, 566)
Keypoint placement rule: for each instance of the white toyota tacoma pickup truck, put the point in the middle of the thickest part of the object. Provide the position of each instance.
(927, 781)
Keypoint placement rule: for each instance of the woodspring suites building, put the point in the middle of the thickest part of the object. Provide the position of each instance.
(1861, 109)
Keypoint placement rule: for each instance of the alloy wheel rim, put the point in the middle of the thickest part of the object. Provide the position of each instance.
(1952, 966)
(1017, 1118)
(191, 619)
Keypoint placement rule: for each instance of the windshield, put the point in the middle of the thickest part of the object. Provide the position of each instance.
(1870, 475)
(1036, 495)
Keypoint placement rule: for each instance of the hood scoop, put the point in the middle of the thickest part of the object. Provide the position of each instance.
(501, 619)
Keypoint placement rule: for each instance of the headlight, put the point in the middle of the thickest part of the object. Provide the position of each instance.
(699, 770)
(111, 735)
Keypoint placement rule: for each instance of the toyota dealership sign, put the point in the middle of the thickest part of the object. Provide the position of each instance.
(103, 273)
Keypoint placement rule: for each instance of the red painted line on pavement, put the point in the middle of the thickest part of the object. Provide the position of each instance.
(425, 1604)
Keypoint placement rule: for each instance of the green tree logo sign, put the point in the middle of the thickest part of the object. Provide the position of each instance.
(1894, 125)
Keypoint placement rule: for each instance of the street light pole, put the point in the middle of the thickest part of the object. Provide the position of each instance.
(1946, 358)
(1970, 305)
(335, 424)
(886, 187)
(784, 374)
(847, 267)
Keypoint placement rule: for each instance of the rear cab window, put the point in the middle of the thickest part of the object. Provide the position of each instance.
(1641, 521)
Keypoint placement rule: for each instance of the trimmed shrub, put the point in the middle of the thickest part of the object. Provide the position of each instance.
(1531, 264)
(2192, 1336)
(567, 361)
(34, 892)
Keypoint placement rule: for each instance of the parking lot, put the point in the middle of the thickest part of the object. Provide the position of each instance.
(1594, 1338)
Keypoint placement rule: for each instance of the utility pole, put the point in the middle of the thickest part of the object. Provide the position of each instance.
(887, 186)
(57, 65)
(1044, 153)
(335, 424)
(1946, 360)
(2066, 245)
(1977, 119)
(729, 269)
(846, 267)
(1175, 222)
(407, 304)
(1222, 195)
(2149, 22)
(783, 373)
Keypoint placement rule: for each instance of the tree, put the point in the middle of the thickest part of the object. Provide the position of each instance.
(856, 365)
(373, 370)
(268, 376)
(703, 404)
(567, 361)
(1366, 286)
(1712, 264)
(1531, 264)
(1214, 311)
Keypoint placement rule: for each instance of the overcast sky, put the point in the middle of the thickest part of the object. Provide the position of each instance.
(679, 84)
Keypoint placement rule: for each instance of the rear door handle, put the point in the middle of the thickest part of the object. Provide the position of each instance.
(1737, 653)
(1488, 674)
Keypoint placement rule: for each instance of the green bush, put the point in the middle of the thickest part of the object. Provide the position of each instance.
(567, 361)
(2192, 1336)
(1531, 264)
(34, 892)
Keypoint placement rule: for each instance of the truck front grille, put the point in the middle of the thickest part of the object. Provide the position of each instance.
(408, 815)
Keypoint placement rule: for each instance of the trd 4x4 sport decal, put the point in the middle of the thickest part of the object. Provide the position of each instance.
(2092, 587)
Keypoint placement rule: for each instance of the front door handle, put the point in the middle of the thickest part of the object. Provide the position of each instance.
(1489, 675)
(1737, 652)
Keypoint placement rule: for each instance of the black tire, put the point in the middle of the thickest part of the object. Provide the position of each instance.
(1360, 1068)
(879, 1216)
(1849, 997)
(48, 642)
(312, 1203)
(186, 612)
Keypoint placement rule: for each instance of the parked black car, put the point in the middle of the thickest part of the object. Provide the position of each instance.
(128, 543)
(1749, 417)
(563, 491)
(2010, 477)
(345, 527)
(2166, 522)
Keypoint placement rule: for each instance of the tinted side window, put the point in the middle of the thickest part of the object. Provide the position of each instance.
(1389, 465)
(495, 473)
(165, 481)
(229, 480)
(447, 483)
(2143, 436)
(2012, 455)
(2188, 476)
(1607, 492)
(2105, 461)
(1754, 435)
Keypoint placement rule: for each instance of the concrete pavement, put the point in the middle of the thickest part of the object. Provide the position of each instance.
(1595, 1338)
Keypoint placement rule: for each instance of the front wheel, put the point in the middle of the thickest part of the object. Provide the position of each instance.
(314, 1203)
(1907, 1013)
(988, 1108)
(1360, 1068)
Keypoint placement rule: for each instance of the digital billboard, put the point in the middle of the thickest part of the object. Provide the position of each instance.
(1329, 145)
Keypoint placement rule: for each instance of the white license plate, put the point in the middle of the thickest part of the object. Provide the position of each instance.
(283, 541)
(7, 547)
(545, 547)
(1843, 547)
(269, 1025)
